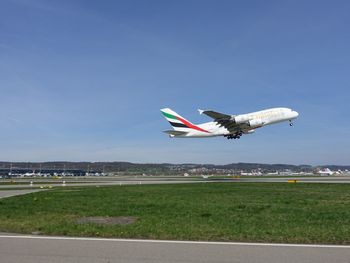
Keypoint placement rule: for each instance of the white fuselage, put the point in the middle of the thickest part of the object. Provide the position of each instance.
(251, 122)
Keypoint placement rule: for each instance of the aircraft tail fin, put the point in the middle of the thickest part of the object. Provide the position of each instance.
(179, 123)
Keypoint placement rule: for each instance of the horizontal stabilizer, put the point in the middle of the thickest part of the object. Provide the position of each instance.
(176, 133)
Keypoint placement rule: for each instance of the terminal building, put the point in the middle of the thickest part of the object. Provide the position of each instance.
(26, 172)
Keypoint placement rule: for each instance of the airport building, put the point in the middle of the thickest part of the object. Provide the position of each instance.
(26, 172)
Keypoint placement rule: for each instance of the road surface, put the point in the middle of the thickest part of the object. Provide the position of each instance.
(180, 180)
(9, 193)
(39, 249)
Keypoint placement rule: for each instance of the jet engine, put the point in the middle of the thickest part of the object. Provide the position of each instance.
(240, 119)
(255, 123)
(249, 132)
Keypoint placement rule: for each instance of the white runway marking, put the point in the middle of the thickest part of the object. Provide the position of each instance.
(172, 241)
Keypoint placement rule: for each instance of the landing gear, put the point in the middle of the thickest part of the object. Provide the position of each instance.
(290, 123)
(234, 136)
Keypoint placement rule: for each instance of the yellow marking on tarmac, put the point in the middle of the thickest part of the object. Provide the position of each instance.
(292, 181)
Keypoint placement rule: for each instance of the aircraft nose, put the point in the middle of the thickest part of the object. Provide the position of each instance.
(295, 114)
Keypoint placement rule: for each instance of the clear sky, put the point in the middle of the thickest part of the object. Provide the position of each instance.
(84, 80)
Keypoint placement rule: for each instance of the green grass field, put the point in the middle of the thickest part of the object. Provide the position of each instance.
(261, 212)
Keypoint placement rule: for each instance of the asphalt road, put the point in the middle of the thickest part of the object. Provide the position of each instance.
(315, 179)
(9, 193)
(97, 183)
(36, 249)
(164, 180)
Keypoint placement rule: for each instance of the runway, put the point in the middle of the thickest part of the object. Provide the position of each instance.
(98, 183)
(37, 249)
(310, 179)
(9, 193)
(25, 183)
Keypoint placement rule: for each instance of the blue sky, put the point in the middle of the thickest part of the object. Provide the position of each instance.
(84, 80)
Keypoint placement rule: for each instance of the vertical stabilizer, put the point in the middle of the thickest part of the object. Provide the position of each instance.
(179, 123)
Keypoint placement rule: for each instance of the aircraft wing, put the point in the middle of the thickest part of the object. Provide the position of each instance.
(232, 126)
(215, 115)
(226, 121)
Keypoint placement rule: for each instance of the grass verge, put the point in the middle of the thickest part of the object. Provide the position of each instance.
(259, 212)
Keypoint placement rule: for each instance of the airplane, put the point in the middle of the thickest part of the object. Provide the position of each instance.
(229, 126)
(327, 171)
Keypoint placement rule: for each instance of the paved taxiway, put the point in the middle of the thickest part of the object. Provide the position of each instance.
(9, 193)
(37, 249)
(313, 179)
(173, 180)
